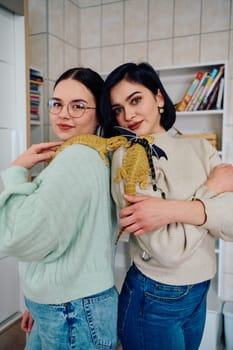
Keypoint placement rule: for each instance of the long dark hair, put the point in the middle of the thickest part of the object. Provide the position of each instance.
(91, 79)
(142, 73)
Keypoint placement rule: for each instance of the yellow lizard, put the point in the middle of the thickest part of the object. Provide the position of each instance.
(101, 144)
(135, 169)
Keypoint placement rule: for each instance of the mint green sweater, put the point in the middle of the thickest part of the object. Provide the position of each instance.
(61, 227)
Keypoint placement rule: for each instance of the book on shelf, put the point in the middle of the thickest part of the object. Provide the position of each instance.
(36, 79)
(181, 106)
(35, 117)
(212, 99)
(211, 88)
(205, 89)
(197, 92)
(36, 75)
(219, 102)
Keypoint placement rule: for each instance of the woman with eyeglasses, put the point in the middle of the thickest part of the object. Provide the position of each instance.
(61, 226)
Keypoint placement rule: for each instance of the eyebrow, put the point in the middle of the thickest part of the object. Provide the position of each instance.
(128, 97)
(76, 100)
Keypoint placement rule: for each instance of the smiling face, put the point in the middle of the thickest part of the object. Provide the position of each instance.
(65, 126)
(136, 107)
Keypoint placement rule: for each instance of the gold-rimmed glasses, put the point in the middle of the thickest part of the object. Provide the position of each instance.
(75, 108)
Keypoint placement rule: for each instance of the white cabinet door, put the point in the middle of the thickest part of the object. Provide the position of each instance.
(13, 128)
(9, 288)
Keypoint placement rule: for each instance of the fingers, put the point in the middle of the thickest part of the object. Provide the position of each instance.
(30, 323)
(45, 156)
(27, 322)
(134, 199)
(45, 146)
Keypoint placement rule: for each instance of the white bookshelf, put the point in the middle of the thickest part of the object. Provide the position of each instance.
(176, 81)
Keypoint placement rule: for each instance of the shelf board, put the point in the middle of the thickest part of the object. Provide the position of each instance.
(208, 112)
(35, 122)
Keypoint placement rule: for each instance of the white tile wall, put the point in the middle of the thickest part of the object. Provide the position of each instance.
(86, 3)
(37, 18)
(136, 52)
(215, 15)
(90, 23)
(186, 50)
(214, 46)
(38, 52)
(112, 24)
(56, 18)
(112, 56)
(160, 19)
(160, 52)
(187, 23)
(91, 58)
(135, 20)
(56, 57)
(72, 24)
(70, 56)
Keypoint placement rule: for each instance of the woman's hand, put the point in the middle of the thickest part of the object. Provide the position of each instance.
(145, 214)
(221, 179)
(27, 322)
(35, 154)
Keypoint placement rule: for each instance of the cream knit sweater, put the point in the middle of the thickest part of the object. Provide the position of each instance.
(181, 253)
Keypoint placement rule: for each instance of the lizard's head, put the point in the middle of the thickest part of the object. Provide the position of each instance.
(115, 142)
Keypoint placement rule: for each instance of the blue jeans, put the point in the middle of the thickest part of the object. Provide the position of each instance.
(83, 324)
(157, 316)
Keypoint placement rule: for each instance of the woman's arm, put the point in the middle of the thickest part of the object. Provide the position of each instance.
(27, 322)
(220, 179)
(31, 210)
(35, 154)
(150, 213)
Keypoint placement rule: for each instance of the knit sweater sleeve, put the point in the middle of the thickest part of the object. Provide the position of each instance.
(176, 242)
(38, 219)
(218, 208)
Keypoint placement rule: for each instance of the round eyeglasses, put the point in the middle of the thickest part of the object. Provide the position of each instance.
(75, 108)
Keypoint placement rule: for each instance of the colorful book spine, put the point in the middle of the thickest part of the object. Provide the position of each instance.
(198, 91)
(189, 93)
(220, 94)
(205, 89)
(212, 87)
(212, 99)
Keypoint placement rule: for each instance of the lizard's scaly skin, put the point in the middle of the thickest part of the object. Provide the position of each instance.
(101, 144)
(135, 169)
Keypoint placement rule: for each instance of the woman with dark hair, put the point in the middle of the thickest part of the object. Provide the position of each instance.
(144, 76)
(173, 223)
(61, 226)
